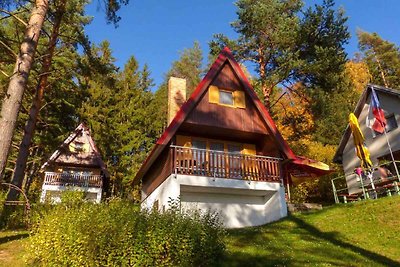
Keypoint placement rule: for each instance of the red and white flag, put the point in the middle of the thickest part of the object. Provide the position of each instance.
(376, 117)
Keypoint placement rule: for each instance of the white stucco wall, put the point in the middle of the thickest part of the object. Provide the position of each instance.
(239, 203)
(54, 192)
(377, 146)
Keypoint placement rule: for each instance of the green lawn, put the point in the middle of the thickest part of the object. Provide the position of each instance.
(359, 234)
(11, 248)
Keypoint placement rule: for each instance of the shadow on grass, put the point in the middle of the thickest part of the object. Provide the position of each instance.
(294, 242)
(245, 259)
(330, 237)
(6, 239)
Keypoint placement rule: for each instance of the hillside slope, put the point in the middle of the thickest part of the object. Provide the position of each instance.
(357, 234)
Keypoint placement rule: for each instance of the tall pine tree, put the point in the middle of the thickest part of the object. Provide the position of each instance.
(382, 58)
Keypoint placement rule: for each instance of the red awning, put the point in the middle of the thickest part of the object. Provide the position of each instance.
(302, 167)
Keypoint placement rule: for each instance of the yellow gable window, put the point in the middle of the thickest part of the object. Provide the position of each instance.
(227, 98)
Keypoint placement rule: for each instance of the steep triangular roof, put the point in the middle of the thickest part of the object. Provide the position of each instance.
(357, 112)
(86, 157)
(224, 57)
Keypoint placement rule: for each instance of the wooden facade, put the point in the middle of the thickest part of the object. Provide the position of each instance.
(221, 152)
(218, 116)
(244, 124)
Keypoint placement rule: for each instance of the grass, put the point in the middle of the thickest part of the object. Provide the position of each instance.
(357, 234)
(11, 248)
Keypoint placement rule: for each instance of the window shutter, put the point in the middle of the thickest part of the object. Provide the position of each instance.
(71, 147)
(184, 141)
(213, 94)
(239, 99)
(249, 149)
(86, 148)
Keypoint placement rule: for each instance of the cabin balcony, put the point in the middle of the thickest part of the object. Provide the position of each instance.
(75, 180)
(220, 164)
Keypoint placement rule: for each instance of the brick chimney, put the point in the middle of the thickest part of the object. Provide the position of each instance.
(176, 96)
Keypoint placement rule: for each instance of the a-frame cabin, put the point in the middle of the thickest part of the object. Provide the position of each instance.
(221, 152)
(75, 165)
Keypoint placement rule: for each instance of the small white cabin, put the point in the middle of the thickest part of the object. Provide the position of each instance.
(75, 165)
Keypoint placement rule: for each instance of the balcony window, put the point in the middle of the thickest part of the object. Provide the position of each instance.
(199, 144)
(236, 149)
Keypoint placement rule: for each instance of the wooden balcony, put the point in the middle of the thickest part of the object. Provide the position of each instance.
(201, 162)
(62, 179)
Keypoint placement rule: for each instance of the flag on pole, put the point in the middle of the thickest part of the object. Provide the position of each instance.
(376, 117)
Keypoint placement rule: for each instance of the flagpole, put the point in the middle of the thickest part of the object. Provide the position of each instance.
(391, 154)
(387, 140)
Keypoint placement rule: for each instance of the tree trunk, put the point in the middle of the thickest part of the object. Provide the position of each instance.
(381, 72)
(18, 81)
(267, 90)
(35, 166)
(30, 126)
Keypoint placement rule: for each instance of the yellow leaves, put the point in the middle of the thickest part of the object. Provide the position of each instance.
(296, 123)
(319, 151)
(293, 114)
(358, 75)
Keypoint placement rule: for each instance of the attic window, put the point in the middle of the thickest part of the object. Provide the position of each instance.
(226, 97)
(78, 147)
(231, 98)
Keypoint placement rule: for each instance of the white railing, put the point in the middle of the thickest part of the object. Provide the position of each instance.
(62, 179)
(379, 180)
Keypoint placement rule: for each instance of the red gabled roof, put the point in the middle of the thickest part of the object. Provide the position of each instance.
(224, 57)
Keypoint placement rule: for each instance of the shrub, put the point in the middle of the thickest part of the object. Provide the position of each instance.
(117, 233)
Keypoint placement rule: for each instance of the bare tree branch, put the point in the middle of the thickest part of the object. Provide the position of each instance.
(14, 16)
(9, 49)
(5, 74)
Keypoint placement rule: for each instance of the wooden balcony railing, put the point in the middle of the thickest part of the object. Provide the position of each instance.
(62, 179)
(219, 164)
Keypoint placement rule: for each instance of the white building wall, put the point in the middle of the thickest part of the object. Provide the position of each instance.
(53, 193)
(377, 145)
(239, 203)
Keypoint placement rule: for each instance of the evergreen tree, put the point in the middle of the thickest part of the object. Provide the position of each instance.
(382, 58)
(24, 61)
(60, 10)
(131, 120)
(18, 80)
(116, 108)
(322, 36)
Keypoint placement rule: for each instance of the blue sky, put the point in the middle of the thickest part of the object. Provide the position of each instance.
(154, 31)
